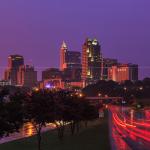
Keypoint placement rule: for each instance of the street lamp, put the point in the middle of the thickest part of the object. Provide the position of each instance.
(99, 94)
(36, 89)
(125, 88)
(141, 88)
(106, 95)
(80, 95)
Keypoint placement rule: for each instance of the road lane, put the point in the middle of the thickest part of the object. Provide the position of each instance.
(127, 132)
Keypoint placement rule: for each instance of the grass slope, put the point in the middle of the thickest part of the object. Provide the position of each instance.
(95, 137)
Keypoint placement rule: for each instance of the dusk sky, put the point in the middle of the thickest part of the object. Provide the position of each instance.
(36, 29)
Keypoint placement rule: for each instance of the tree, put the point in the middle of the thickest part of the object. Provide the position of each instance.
(63, 111)
(74, 112)
(88, 111)
(11, 113)
(69, 108)
(66, 111)
(3, 120)
(40, 110)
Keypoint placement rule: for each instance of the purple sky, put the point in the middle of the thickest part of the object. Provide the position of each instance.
(36, 29)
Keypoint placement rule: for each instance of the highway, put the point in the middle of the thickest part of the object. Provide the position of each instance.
(129, 129)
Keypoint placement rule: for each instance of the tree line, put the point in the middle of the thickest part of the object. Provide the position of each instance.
(62, 108)
(126, 89)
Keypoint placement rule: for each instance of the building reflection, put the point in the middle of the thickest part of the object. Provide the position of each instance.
(28, 130)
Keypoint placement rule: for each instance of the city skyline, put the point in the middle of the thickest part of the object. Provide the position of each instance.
(36, 30)
(76, 69)
(75, 74)
(41, 69)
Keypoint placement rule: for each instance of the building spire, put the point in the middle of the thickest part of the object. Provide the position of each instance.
(64, 45)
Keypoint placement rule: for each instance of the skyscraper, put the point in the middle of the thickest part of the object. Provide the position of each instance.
(73, 66)
(14, 62)
(133, 72)
(91, 61)
(27, 76)
(70, 64)
(63, 51)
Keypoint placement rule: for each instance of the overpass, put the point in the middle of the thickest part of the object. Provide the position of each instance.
(104, 98)
(98, 100)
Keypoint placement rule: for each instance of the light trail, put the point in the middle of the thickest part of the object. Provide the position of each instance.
(129, 130)
(135, 131)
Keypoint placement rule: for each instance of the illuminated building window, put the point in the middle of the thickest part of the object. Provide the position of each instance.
(92, 59)
(88, 73)
(88, 50)
(90, 55)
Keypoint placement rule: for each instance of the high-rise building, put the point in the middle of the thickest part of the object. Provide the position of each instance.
(123, 72)
(72, 57)
(14, 62)
(91, 61)
(63, 51)
(133, 72)
(70, 64)
(73, 66)
(27, 76)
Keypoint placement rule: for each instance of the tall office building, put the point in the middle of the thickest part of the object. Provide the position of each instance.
(14, 62)
(27, 76)
(91, 61)
(63, 51)
(70, 64)
(133, 72)
(73, 66)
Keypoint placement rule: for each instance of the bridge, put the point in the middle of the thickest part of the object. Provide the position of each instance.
(104, 98)
(97, 100)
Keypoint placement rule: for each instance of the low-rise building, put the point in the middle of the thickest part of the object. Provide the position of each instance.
(123, 72)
